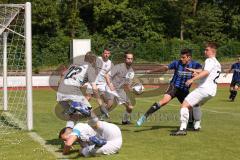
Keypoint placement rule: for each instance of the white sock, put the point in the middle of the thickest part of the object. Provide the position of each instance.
(70, 124)
(197, 124)
(197, 113)
(184, 116)
(126, 116)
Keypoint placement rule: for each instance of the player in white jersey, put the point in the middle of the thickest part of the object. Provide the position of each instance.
(103, 66)
(206, 89)
(69, 94)
(96, 138)
(119, 78)
(109, 132)
(80, 133)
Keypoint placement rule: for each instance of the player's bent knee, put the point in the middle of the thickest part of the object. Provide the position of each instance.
(129, 109)
(185, 104)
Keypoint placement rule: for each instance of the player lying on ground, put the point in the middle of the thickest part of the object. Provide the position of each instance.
(235, 83)
(206, 89)
(177, 87)
(100, 138)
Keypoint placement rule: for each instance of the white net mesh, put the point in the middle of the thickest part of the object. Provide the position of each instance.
(12, 25)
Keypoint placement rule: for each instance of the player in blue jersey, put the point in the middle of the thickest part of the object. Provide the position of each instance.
(177, 87)
(235, 83)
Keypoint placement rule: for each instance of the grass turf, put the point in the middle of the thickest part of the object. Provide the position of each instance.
(218, 139)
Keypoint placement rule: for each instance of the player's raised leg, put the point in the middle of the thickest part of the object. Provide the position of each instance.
(156, 106)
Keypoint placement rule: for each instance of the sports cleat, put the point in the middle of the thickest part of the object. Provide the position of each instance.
(141, 120)
(80, 108)
(126, 122)
(99, 142)
(70, 111)
(179, 133)
(196, 129)
(104, 111)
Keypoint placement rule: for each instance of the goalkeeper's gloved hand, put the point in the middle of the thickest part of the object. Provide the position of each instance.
(99, 142)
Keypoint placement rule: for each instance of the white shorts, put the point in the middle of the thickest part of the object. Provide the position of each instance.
(77, 98)
(101, 89)
(197, 97)
(111, 147)
(119, 95)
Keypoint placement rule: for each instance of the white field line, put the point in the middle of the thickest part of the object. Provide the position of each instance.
(204, 109)
(36, 137)
(49, 148)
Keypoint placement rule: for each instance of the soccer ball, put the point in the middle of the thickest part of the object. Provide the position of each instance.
(138, 88)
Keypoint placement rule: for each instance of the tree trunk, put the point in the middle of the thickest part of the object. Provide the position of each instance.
(195, 2)
(182, 31)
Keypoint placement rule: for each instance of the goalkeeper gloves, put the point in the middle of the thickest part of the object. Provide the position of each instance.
(99, 142)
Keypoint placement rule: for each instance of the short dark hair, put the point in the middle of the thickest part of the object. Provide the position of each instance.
(127, 52)
(106, 48)
(211, 45)
(62, 132)
(186, 51)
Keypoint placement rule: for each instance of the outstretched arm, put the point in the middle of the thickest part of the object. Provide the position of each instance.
(194, 70)
(201, 75)
(109, 83)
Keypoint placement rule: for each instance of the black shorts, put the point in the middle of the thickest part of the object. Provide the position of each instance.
(176, 92)
(235, 83)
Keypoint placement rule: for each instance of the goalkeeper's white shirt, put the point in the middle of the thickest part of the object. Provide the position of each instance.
(112, 134)
(108, 131)
(83, 131)
(209, 84)
(73, 79)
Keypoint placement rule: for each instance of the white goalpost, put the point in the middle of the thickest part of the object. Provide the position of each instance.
(16, 63)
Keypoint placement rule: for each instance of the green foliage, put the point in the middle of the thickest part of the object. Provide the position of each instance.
(165, 50)
(208, 25)
(154, 30)
(231, 49)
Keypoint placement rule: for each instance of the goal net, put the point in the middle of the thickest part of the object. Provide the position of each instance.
(15, 67)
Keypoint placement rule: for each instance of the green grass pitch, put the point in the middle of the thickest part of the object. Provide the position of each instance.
(218, 139)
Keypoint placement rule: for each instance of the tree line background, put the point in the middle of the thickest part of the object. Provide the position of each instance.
(155, 30)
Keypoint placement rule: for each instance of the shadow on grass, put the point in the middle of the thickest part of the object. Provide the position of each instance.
(55, 142)
(155, 128)
(225, 100)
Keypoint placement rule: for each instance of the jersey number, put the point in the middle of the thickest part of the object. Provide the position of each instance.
(73, 71)
(216, 77)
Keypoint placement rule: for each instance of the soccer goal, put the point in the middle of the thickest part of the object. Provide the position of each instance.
(15, 67)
